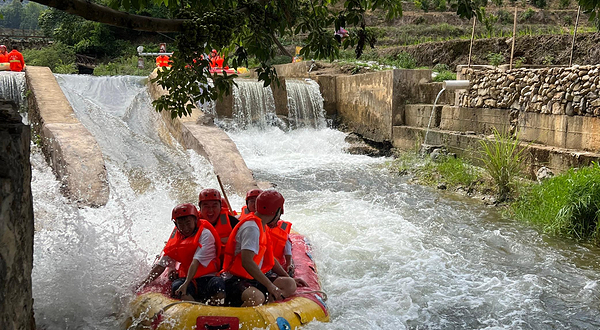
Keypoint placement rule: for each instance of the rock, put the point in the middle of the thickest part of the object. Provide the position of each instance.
(543, 173)
(490, 103)
(558, 108)
(569, 111)
(442, 186)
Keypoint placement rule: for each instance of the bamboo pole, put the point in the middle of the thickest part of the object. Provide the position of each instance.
(574, 35)
(472, 37)
(224, 194)
(512, 51)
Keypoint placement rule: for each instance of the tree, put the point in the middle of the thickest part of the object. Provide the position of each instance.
(250, 28)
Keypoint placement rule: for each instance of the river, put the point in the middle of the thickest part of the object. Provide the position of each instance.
(391, 255)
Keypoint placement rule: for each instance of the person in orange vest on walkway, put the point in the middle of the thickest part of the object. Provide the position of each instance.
(209, 202)
(249, 256)
(163, 60)
(3, 54)
(15, 58)
(194, 243)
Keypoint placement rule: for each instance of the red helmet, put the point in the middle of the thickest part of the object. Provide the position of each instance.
(253, 193)
(209, 195)
(182, 210)
(268, 202)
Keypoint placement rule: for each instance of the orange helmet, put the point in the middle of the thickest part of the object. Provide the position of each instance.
(209, 195)
(182, 210)
(269, 202)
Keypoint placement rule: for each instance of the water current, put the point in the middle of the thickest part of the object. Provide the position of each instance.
(391, 255)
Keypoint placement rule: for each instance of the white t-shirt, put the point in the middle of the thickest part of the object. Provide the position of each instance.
(204, 254)
(287, 250)
(248, 238)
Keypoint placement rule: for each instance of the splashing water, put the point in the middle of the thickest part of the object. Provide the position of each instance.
(305, 104)
(391, 255)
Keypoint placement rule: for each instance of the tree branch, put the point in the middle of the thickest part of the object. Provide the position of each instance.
(106, 15)
(285, 52)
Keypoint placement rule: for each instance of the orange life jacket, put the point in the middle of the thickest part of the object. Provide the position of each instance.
(182, 249)
(279, 236)
(233, 262)
(223, 225)
(4, 58)
(15, 58)
(244, 213)
(162, 60)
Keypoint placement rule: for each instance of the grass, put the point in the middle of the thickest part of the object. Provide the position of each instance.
(452, 171)
(503, 159)
(565, 205)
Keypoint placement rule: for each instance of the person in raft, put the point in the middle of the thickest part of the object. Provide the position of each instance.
(163, 59)
(280, 242)
(209, 202)
(249, 256)
(194, 243)
(15, 58)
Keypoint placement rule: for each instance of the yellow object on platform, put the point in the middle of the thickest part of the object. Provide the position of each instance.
(5, 66)
(181, 315)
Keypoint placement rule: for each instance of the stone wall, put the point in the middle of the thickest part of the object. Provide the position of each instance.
(16, 222)
(572, 91)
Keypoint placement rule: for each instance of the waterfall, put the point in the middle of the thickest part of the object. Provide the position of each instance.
(12, 87)
(253, 104)
(305, 104)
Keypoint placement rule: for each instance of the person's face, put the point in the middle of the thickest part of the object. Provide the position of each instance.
(186, 225)
(210, 210)
(273, 222)
(251, 204)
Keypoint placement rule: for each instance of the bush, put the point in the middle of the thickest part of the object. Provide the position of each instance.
(539, 3)
(503, 160)
(524, 16)
(504, 17)
(445, 75)
(567, 205)
(404, 60)
(495, 59)
(53, 56)
(281, 59)
(441, 67)
(564, 4)
(125, 66)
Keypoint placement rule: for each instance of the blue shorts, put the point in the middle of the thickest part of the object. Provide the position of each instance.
(201, 288)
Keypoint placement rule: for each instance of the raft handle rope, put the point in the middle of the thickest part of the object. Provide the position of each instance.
(164, 309)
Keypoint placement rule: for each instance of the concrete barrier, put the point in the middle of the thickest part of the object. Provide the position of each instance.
(68, 146)
(197, 132)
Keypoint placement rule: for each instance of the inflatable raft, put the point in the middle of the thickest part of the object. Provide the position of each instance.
(154, 309)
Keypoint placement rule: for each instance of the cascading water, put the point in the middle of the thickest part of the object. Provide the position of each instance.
(391, 255)
(305, 104)
(86, 261)
(253, 104)
(12, 86)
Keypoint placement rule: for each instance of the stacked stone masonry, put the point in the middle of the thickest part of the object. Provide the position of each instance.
(572, 91)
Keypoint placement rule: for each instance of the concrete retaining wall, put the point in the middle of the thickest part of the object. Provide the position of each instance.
(68, 146)
(16, 222)
(198, 133)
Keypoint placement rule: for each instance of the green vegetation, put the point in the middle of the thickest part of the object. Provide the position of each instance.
(566, 205)
(449, 170)
(495, 59)
(503, 159)
(58, 57)
(16, 15)
(125, 66)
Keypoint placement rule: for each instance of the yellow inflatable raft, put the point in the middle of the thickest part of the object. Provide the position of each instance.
(153, 309)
